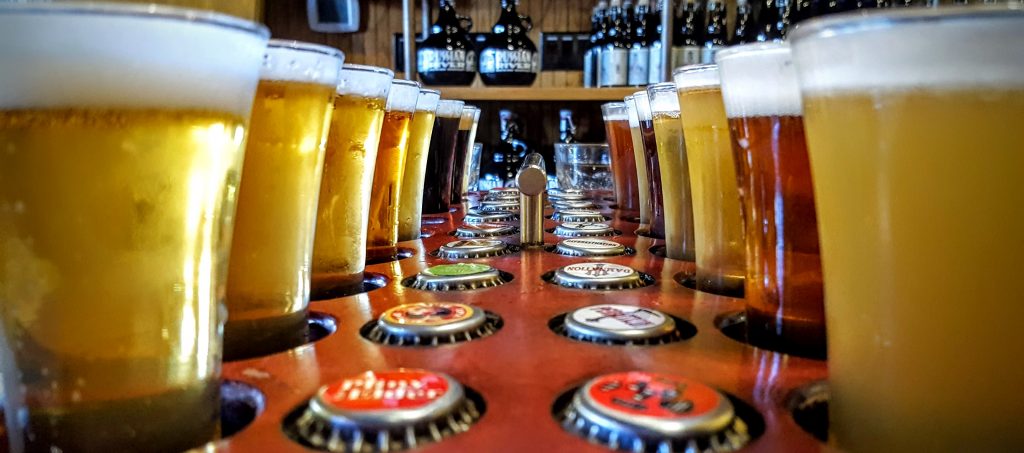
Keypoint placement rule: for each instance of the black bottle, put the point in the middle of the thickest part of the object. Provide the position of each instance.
(566, 127)
(615, 51)
(447, 56)
(509, 56)
(745, 25)
(771, 22)
(690, 29)
(592, 57)
(510, 150)
(715, 37)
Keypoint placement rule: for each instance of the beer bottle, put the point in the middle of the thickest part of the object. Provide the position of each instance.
(640, 50)
(615, 53)
(691, 33)
(566, 127)
(509, 56)
(771, 24)
(745, 27)
(447, 56)
(511, 148)
(802, 10)
(656, 65)
(592, 57)
(715, 36)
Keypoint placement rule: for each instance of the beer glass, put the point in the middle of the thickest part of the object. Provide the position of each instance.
(382, 231)
(117, 185)
(437, 184)
(410, 204)
(651, 164)
(463, 152)
(473, 167)
(268, 275)
(339, 248)
(917, 167)
(616, 127)
(785, 300)
(246, 9)
(675, 176)
(721, 262)
(643, 186)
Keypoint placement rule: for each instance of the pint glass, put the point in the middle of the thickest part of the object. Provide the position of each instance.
(437, 184)
(721, 263)
(410, 204)
(616, 127)
(464, 151)
(268, 276)
(117, 185)
(651, 164)
(785, 302)
(917, 165)
(339, 248)
(675, 177)
(382, 231)
(643, 187)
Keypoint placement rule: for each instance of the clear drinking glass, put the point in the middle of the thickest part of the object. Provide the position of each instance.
(651, 164)
(410, 205)
(463, 152)
(675, 172)
(583, 166)
(616, 126)
(123, 130)
(640, 162)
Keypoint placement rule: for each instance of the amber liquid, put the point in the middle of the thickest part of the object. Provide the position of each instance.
(785, 299)
(437, 184)
(627, 188)
(382, 230)
(268, 278)
(919, 201)
(410, 204)
(657, 227)
(116, 227)
(339, 249)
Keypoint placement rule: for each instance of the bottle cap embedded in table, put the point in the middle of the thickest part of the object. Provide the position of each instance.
(588, 247)
(588, 229)
(457, 277)
(578, 216)
(598, 276)
(617, 323)
(473, 248)
(485, 230)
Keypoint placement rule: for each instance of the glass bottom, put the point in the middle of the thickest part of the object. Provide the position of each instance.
(791, 336)
(250, 338)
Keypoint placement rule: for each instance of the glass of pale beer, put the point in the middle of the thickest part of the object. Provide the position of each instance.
(721, 262)
(410, 204)
(785, 300)
(914, 132)
(122, 129)
(656, 228)
(339, 247)
(675, 176)
(268, 276)
(643, 187)
(382, 230)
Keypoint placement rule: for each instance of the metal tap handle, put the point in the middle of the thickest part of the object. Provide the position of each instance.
(532, 180)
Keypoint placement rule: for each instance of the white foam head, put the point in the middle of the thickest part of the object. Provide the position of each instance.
(428, 100)
(759, 80)
(916, 48)
(643, 106)
(365, 81)
(664, 98)
(127, 56)
(295, 61)
(634, 119)
(470, 115)
(403, 96)
(696, 77)
(450, 109)
(614, 111)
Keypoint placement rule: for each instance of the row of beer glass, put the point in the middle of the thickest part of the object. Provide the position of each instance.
(129, 136)
(912, 157)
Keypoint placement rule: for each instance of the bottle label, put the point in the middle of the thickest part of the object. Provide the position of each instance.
(691, 55)
(501, 60)
(707, 54)
(614, 67)
(445, 60)
(639, 65)
(656, 65)
(590, 68)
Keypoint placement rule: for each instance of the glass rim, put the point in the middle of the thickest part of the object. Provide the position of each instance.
(614, 104)
(150, 11)
(430, 91)
(406, 83)
(745, 49)
(626, 100)
(470, 107)
(302, 46)
(690, 69)
(860, 21)
(640, 94)
(661, 86)
(366, 68)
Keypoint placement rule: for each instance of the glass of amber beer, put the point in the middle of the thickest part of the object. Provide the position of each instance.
(643, 189)
(268, 276)
(785, 300)
(616, 128)
(917, 163)
(339, 247)
(675, 177)
(382, 231)
(410, 205)
(123, 130)
(721, 263)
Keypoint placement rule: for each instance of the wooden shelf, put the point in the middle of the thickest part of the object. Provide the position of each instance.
(535, 94)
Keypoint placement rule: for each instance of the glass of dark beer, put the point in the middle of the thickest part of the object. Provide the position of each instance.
(646, 117)
(437, 184)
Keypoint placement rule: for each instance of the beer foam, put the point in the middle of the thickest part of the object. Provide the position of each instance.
(403, 96)
(968, 47)
(614, 111)
(295, 61)
(365, 81)
(643, 106)
(106, 56)
(470, 115)
(663, 97)
(428, 100)
(693, 77)
(450, 109)
(634, 119)
(759, 80)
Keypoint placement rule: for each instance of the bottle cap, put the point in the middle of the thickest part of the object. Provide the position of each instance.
(590, 247)
(502, 195)
(457, 277)
(598, 276)
(473, 248)
(485, 230)
(431, 324)
(578, 216)
(475, 216)
(563, 205)
(556, 192)
(389, 410)
(575, 230)
(655, 412)
(499, 206)
(618, 324)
